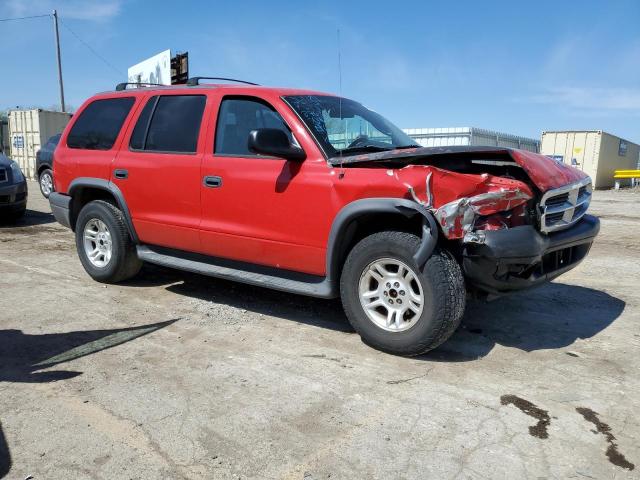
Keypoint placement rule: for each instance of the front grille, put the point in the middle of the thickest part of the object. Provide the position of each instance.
(3, 174)
(4, 199)
(557, 200)
(564, 206)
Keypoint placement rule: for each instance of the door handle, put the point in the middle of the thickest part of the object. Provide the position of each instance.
(212, 182)
(121, 173)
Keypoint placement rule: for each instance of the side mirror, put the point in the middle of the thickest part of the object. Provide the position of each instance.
(274, 142)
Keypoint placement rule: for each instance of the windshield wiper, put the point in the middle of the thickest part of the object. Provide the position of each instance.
(407, 146)
(363, 148)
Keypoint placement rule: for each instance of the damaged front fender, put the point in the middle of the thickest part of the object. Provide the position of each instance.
(457, 199)
(457, 218)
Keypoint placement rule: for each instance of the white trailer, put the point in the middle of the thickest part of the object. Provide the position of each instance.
(28, 131)
(450, 136)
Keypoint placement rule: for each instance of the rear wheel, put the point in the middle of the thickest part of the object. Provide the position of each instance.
(393, 304)
(104, 245)
(46, 182)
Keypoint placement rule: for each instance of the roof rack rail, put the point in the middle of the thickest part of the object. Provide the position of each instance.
(193, 81)
(123, 85)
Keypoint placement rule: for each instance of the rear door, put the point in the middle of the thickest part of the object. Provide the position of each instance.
(158, 170)
(88, 147)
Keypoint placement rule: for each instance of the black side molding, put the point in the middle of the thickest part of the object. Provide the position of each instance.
(252, 274)
(101, 184)
(340, 229)
(60, 207)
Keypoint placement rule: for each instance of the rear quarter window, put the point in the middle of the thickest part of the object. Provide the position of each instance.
(99, 124)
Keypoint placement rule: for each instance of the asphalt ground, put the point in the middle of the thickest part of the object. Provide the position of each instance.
(174, 375)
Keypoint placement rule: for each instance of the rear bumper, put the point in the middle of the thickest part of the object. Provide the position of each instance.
(13, 197)
(60, 207)
(521, 257)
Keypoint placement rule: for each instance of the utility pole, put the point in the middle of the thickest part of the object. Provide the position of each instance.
(55, 28)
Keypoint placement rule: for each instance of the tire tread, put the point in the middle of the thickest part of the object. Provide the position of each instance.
(441, 270)
(128, 264)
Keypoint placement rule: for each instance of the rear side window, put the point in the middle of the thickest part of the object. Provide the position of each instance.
(169, 123)
(98, 125)
(237, 117)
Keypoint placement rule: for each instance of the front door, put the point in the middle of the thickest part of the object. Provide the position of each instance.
(262, 209)
(159, 172)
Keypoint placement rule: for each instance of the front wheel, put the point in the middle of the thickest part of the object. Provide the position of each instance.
(103, 243)
(395, 306)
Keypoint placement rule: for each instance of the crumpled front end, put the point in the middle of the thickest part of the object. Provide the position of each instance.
(464, 203)
(508, 233)
(460, 217)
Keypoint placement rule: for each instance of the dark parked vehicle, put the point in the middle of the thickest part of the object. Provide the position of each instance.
(13, 190)
(44, 165)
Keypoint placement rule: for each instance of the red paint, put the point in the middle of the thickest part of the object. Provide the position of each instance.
(545, 172)
(270, 211)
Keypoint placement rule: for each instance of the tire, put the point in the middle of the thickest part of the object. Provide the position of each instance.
(123, 262)
(440, 283)
(45, 180)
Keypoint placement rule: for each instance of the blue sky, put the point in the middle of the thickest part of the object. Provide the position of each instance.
(518, 67)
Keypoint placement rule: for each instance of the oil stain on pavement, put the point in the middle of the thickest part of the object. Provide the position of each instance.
(538, 430)
(612, 453)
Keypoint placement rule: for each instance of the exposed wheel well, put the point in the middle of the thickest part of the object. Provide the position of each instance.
(367, 224)
(43, 168)
(84, 195)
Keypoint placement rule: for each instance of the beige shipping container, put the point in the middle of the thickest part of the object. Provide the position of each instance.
(28, 131)
(595, 152)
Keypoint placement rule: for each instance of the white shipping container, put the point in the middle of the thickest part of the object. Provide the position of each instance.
(28, 131)
(597, 153)
(445, 137)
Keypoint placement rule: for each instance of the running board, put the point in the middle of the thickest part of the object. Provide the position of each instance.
(261, 276)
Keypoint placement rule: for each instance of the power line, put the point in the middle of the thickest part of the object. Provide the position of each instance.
(23, 18)
(104, 60)
(89, 47)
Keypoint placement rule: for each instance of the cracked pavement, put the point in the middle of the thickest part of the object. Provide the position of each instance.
(174, 375)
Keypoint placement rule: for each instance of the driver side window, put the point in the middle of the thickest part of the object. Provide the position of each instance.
(237, 118)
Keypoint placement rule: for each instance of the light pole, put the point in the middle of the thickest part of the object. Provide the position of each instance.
(55, 28)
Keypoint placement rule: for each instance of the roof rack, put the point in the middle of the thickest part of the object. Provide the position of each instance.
(123, 85)
(193, 81)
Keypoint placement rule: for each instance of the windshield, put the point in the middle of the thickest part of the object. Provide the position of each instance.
(344, 127)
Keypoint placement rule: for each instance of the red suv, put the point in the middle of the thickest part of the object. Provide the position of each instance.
(314, 194)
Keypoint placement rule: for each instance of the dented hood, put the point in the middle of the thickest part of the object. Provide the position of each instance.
(543, 171)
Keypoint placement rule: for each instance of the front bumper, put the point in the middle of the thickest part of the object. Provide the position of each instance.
(522, 257)
(60, 207)
(13, 197)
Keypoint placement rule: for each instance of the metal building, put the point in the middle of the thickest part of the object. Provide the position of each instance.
(443, 137)
(28, 131)
(595, 152)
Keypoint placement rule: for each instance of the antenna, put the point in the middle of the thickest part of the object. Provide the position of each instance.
(340, 105)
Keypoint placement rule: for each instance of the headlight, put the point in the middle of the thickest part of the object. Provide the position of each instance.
(17, 173)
